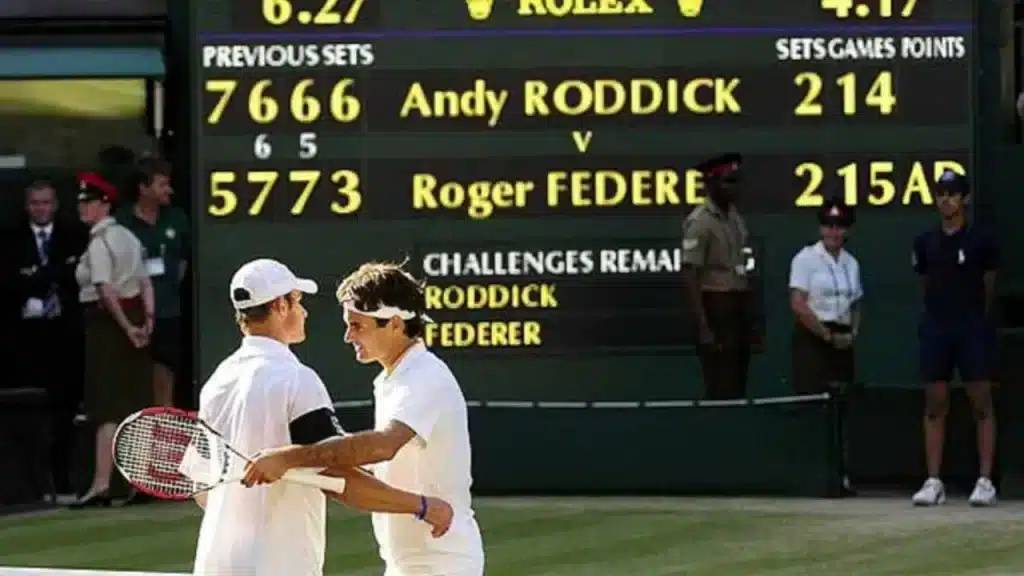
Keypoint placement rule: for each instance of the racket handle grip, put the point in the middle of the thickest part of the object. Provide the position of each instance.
(312, 477)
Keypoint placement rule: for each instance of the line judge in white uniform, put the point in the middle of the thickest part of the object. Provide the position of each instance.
(421, 438)
(825, 295)
(261, 397)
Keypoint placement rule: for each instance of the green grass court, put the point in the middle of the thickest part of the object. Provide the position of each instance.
(590, 537)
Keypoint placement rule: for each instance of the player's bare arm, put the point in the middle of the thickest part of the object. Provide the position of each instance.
(359, 449)
(798, 303)
(200, 499)
(366, 493)
(342, 452)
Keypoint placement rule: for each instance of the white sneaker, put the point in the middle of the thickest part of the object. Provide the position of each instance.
(984, 493)
(932, 493)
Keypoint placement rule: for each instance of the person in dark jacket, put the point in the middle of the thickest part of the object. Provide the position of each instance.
(44, 253)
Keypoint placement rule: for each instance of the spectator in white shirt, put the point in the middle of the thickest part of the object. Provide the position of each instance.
(825, 292)
(262, 397)
(421, 437)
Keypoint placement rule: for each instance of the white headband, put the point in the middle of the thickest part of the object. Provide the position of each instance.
(385, 312)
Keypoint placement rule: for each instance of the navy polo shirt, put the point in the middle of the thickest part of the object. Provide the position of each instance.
(954, 267)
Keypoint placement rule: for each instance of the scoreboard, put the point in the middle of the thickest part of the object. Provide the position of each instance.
(532, 157)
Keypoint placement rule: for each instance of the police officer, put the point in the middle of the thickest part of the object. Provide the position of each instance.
(957, 263)
(715, 274)
(825, 292)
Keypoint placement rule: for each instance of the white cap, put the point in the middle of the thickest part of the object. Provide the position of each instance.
(260, 281)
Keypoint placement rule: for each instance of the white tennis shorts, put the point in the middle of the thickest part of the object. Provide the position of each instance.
(440, 566)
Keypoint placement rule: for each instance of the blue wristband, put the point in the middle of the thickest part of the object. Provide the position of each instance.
(423, 508)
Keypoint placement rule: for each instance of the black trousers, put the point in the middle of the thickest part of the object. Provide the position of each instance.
(818, 366)
(51, 356)
(724, 364)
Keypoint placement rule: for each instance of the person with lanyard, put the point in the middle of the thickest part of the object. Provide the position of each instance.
(957, 263)
(715, 276)
(164, 231)
(117, 300)
(825, 293)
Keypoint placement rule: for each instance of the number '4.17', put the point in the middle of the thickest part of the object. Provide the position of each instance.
(868, 8)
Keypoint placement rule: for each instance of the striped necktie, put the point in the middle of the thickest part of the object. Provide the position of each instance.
(44, 247)
(51, 306)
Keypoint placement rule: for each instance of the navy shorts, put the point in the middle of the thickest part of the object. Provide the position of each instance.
(966, 348)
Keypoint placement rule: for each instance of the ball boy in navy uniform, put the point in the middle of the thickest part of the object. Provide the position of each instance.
(957, 264)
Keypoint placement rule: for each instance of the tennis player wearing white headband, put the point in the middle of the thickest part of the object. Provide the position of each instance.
(262, 396)
(421, 438)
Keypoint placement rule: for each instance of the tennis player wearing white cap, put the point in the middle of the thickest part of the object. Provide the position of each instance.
(421, 438)
(260, 397)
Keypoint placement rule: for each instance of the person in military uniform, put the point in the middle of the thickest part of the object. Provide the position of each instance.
(117, 301)
(715, 274)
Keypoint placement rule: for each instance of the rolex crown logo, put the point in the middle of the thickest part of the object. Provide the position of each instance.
(690, 8)
(479, 9)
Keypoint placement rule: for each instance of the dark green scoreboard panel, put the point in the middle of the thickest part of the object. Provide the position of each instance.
(530, 158)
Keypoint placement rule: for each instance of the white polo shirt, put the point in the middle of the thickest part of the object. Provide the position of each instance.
(422, 393)
(832, 284)
(252, 398)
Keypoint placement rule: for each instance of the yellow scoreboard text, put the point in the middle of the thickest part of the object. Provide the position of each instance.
(488, 333)
(298, 100)
(854, 93)
(484, 334)
(327, 12)
(248, 193)
(875, 183)
(562, 8)
(265, 102)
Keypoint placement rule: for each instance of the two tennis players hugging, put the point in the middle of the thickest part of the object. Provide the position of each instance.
(268, 403)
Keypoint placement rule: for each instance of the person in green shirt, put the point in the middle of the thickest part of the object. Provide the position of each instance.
(163, 230)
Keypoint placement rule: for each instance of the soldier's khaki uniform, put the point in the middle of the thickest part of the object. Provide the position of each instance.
(713, 244)
(117, 374)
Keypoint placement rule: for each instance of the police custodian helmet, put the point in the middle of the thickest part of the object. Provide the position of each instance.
(833, 211)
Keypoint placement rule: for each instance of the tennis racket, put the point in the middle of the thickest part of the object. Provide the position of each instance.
(173, 455)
